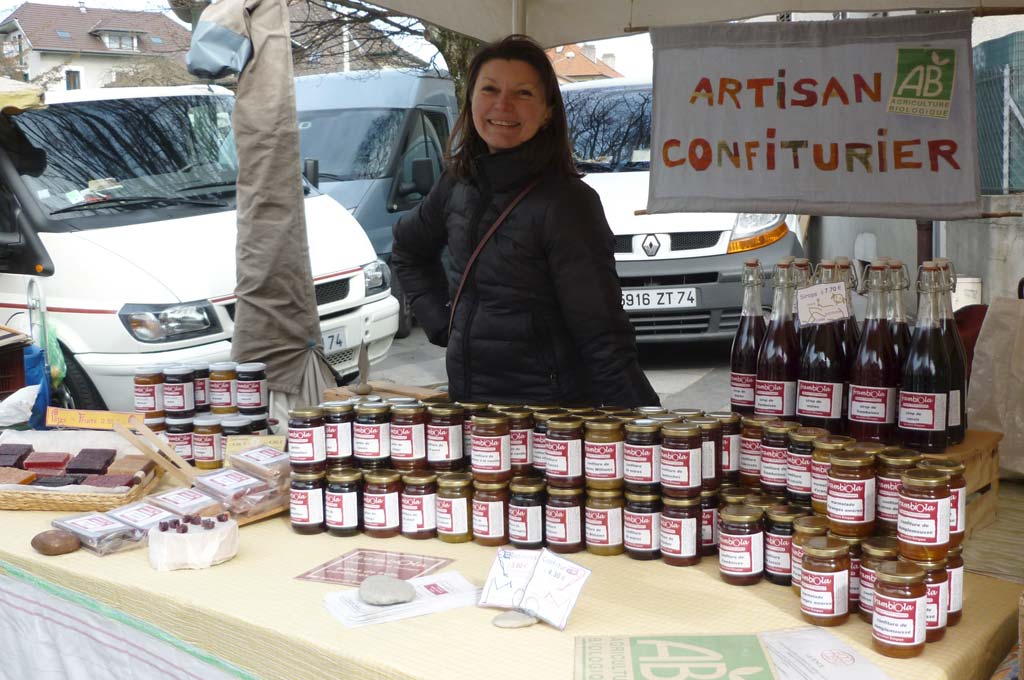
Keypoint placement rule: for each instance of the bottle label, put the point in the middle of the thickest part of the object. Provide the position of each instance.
(565, 458)
(182, 443)
(202, 391)
(774, 468)
(452, 515)
(956, 589)
(898, 621)
(371, 440)
(798, 473)
(602, 461)
(562, 525)
(819, 399)
(741, 388)
(381, 510)
(680, 468)
(708, 457)
(750, 456)
(149, 398)
(251, 393)
(521, 447)
(444, 442)
(678, 536)
(957, 510)
(851, 501)
(222, 392)
(775, 398)
(937, 607)
(923, 521)
(730, 453)
(641, 530)
(488, 519)
(923, 411)
(708, 527)
(954, 408)
(207, 447)
(825, 594)
(741, 554)
(491, 454)
(179, 396)
(796, 561)
(526, 523)
(867, 589)
(342, 510)
(854, 579)
(339, 440)
(540, 450)
(408, 441)
(819, 480)
(777, 557)
(307, 506)
(640, 463)
(888, 502)
(419, 513)
(604, 526)
(876, 405)
(307, 444)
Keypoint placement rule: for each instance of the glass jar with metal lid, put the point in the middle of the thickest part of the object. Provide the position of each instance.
(306, 505)
(734, 495)
(603, 521)
(149, 389)
(235, 426)
(409, 436)
(343, 501)
(207, 442)
(764, 500)
(454, 512)
(825, 582)
(820, 466)
(709, 507)
(179, 391)
(540, 435)
(179, 437)
(680, 461)
(258, 423)
(419, 504)
(774, 454)
(251, 386)
(382, 515)
(664, 418)
(750, 449)
(892, 463)
(850, 495)
(874, 551)
(687, 413)
(936, 582)
(565, 452)
(804, 528)
(581, 410)
(371, 435)
(778, 542)
(307, 439)
(603, 442)
(679, 534)
(490, 453)
(730, 444)
(955, 571)
(923, 522)
(490, 513)
(201, 386)
(901, 600)
(520, 429)
(853, 543)
(223, 384)
(469, 409)
(563, 519)
(526, 512)
(741, 544)
(798, 462)
(957, 495)
(338, 419)
(444, 436)
(711, 450)
(641, 526)
(641, 456)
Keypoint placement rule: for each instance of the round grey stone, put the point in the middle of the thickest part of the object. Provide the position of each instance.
(383, 590)
(513, 619)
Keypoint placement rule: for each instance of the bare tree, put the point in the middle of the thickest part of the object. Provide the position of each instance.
(13, 67)
(151, 71)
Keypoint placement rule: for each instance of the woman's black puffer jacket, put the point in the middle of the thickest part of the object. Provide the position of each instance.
(540, 320)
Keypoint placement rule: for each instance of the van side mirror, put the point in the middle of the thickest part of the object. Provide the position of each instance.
(422, 178)
(311, 170)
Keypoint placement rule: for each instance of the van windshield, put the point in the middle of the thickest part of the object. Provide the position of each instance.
(350, 143)
(118, 152)
(610, 128)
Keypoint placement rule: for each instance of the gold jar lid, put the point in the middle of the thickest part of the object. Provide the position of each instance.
(900, 573)
(615, 410)
(833, 442)
(663, 418)
(815, 525)
(709, 493)
(337, 407)
(725, 417)
(643, 425)
(418, 477)
(673, 502)
(947, 465)
(517, 412)
(308, 476)
(445, 409)
(642, 497)
(454, 480)
(807, 434)
(853, 542)
(956, 550)
(472, 406)
(688, 412)
(579, 410)
(604, 493)
(527, 484)
(504, 407)
(306, 412)
(372, 408)
(588, 417)
(565, 423)
(685, 428)
(705, 423)
(734, 494)
(781, 426)
(382, 476)
(489, 418)
(645, 411)
(346, 474)
(603, 424)
(763, 500)
(849, 458)
(546, 414)
(926, 478)
(894, 456)
(559, 491)
(409, 409)
(489, 486)
(868, 448)
(880, 547)
(785, 512)
(741, 513)
(757, 421)
(825, 546)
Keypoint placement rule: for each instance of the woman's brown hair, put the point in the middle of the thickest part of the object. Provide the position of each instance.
(552, 149)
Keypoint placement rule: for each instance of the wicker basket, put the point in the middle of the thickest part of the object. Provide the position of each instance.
(71, 501)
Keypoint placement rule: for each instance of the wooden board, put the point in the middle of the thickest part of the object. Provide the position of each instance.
(979, 452)
(386, 390)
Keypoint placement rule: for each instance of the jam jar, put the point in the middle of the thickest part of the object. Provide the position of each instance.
(874, 551)
(936, 582)
(408, 436)
(149, 389)
(540, 435)
(750, 449)
(306, 506)
(679, 533)
(955, 572)
(892, 463)
(603, 442)
(201, 386)
(641, 456)
(778, 542)
(641, 526)
(520, 430)
(709, 507)
(741, 545)
(338, 419)
(444, 437)
(179, 436)
(491, 456)
(774, 455)
(419, 504)
(207, 443)
(223, 383)
(563, 519)
(371, 435)
(343, 501)
(730, 445)
(469, 409)
(798, 463)
(901, 599)
(850, 493)
(382, 515)
(734, 495)
(957, 495)
(680, 461)
(526, 512)
(711, 451)
(804, 529)
(820, 466)
(307, 440)
(565, 452)
(825, 582)
(179, 391)
(251, 386)
(454, 507)
(687, 413)
(258, 423)
(923, 522)
(603, 521)
(853, 543)
(490, 510)
(235, 426)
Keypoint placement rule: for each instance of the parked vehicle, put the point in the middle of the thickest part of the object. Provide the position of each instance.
(127, 197)
(379, 137)
(680, 272)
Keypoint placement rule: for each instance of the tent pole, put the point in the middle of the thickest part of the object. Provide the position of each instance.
(519, 16)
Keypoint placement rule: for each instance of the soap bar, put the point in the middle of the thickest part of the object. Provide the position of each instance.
(188, 502)
(56, 542)
(140, 466)
(142, 515)
(16, 476)
(51, 472)
(42, 460)
(230, 484)
(99, 533)
(109, 480)
(92, 461)
(264, 462)
(13, 455)
(58, 480)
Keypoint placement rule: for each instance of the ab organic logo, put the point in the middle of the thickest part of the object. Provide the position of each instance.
(924, 80)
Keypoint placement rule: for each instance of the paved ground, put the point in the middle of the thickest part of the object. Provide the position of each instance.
(686, 375)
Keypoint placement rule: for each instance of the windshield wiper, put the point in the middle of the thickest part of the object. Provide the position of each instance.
(333, 177)
(593, 166)
(137, 201)
(210, 185)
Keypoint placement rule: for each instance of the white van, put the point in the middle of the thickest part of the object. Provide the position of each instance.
(127, 196)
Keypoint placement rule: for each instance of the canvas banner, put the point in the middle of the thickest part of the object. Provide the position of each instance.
(872, 117)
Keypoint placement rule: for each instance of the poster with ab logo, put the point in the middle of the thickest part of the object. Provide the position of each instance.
(924, 82)
(695, 657)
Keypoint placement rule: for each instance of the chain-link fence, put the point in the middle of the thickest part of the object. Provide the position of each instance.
(999, 86)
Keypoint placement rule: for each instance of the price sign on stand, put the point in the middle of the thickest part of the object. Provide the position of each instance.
(822, 303)
(554, 588)
(506, 582)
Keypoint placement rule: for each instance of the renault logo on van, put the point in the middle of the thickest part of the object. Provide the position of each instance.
(651, 245)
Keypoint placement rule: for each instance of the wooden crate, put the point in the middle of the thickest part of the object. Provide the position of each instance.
(386, 390)
(979, 452)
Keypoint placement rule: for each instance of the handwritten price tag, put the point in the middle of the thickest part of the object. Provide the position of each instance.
(86, 420)
(554, 588)
(246, 442)
(506, 582)
(822, 303)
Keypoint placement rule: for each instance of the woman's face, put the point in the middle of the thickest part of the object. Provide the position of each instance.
(508, 103)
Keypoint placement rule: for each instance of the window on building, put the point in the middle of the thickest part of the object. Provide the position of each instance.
(119, 41)
(156, 40)
(63, 35)
(73, 80)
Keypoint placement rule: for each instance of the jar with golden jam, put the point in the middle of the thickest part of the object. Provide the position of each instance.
(444, 437)
(223, 386)
(901, 600)
(490, 512)
(338, 419)
(892, 463)
(778, 543)
(454, 513)
(936, 582)
(798, 463)
(520, 429)
(850, 493)
(149, 389)
(750, 449)
(409, 436)
(741, 545)
(306, 503)
(853, 543)
(526, 512)
(957, 495)
(419, 504)
(774, 453)
(641, 456)
(679, 534)
(874, 551)
(641, 526)
(343, 501)
(825, 582)
(824, 447)
(923, 522)
(382, 515)
(490, 454)
(603, 443)
(371, 435)
(681, 454)
(540, 435)
(207, 442)
(563, 518)
(565, 452)
(603, 522)
(955, 572)
(469, 409)
(709, 506)
(730, 445)
(711, 450)
(804, 529)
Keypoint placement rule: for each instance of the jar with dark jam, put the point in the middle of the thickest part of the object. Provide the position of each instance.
(444, 437)
(179, 391)
(382, 513)
(526, 513)
(641, 530)
(641, 456)
(853, 543)
(179, 436)
(603, 443)
(371, 435)
(419, 504)
(338, 418)
(798, 463)
(307, 440)
(454, 507)
(520, 430)
(490, 512)
(201, 386)
(923, 522)
(306, 506)
(955, 572)
(679, 534)
(343, 501)
(820, 466)
(851, 493)
(565, 452)
(711, 451)
(563, 519)
(892, 463)
(825, 582)
(251, 386)
(901, 599)
(469, 410)
(540, 435)
(804, 528)
(408, 436)
(936, 582)
(709, 506)
(774, 454)
(874, 551)
(235, 426)
(730, 445)
(957, 495)
(603, 522)
(258, 423)
(741, 545)
(750, 449)
(680, 462)
(778, 542)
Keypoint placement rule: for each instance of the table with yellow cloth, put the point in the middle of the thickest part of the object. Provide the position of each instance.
(252, 612)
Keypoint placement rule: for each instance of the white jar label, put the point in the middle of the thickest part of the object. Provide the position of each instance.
(923, 521)
(526, 523)
(488, 519)
(750, 456)
(798, 473)
(774, 469)
(873, 405)
(888, 500)
(307, 506)
(957, 510)
(851, 501)
(678, 536)
(179, 397)
(222, 393)
(491, 454)
(680, 468)
(182, 443)
(898, 621)
(954, 408)
(641, 530)
(937, 605)
(408, 442)
(730, 453)
(419, 512)
(562, 525)
(339, 440)
(149, 398)
(956, 589)
(640, 463)
(342, 510)
(709, 527)
(604, 526)
(307, 444)
(251, 393)
(777, 554)
(452, 515)
(521, 443)
(207, 447)
(741, 554)
(709, 458)
(825, 594)
(796, 553)
(868, 577)
(775, 398)
(565, 458)
(741, 389)
(603, 461)
(819, 480)
(371, 440)
(540, 450)
(444, 442)
(923, 411)
(202, 391)
(381, 510)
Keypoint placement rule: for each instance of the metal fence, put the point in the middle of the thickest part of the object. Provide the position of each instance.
(999, 87)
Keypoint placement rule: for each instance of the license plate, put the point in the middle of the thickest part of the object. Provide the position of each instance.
(658, 298)
(333, 342)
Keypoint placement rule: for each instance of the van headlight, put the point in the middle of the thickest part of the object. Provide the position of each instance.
(166, 323)
(376, 277)
(755, 230)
